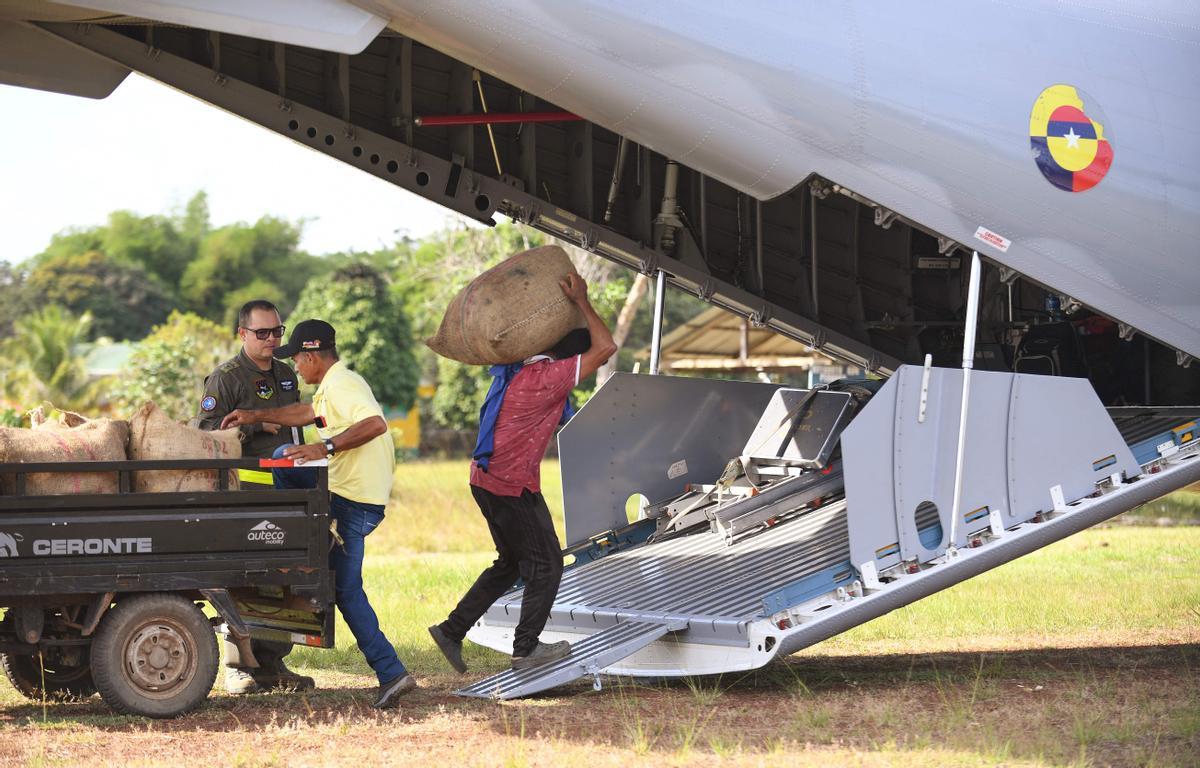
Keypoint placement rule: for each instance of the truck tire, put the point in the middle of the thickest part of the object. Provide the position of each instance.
(63, 682)
(154, 655)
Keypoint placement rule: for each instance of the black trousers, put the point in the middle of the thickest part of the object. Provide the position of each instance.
(526, 547)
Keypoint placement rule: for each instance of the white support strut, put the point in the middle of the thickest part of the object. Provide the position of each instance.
(968, 362)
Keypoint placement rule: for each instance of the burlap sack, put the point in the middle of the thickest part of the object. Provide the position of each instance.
(50, 440)
(514, 310)
(154, 435)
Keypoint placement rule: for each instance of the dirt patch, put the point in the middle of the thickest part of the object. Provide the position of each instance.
(1102, 706)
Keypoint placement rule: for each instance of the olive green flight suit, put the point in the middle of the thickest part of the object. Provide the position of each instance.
(239, 383)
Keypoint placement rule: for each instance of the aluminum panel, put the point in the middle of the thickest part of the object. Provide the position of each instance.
(587, 657)
(650, 435)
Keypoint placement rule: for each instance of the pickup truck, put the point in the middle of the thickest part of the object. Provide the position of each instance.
(108, 592)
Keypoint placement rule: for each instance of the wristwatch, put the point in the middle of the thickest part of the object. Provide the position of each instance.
(328, 448)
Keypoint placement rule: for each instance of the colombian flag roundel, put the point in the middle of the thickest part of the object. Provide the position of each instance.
(1068, 146)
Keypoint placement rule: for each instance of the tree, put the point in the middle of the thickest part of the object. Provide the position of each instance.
(233, 257)
(150, 242)
(170, 364)
(374, 336)
(14, 303)
(44, 360)
(459, 394)
(122, 299)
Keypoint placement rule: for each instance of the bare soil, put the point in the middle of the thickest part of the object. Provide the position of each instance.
(1111, 705)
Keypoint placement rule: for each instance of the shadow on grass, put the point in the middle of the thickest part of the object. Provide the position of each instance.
(1121, 705)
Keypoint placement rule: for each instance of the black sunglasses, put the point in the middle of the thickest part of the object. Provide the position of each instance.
(263, 333)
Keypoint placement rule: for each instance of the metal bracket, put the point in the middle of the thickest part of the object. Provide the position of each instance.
(1056, 496)
(1182, 359)
(819, 189)
(1126, 332)
(884, 217)
(96, 611)
(760, 317)
(706, 290)
(870, 575)
(1008, 275)
(818, 339)
(924, 388)
(995, 522)
(223, 604)
(946, 246)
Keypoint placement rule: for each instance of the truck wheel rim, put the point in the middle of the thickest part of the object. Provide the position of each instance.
(160, 658)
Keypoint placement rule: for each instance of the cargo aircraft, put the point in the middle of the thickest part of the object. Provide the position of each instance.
(992, 207)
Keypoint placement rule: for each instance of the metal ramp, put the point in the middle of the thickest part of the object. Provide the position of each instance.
(791, 578)
(587, 657)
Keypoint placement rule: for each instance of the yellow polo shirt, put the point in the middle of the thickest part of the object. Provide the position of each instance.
(362, 474)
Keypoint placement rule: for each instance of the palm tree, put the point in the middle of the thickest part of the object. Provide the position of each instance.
(44, 361)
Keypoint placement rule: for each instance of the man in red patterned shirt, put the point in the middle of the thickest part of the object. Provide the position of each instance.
(507, 486)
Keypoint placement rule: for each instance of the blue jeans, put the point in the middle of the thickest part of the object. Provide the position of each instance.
(355, 521)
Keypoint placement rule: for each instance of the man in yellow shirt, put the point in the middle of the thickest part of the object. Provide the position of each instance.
(362, 459)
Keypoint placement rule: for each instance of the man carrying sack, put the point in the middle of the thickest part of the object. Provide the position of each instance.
(526, 403)
(255, 380)
(362, 460)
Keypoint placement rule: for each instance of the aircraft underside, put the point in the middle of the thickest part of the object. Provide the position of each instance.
(820, 263)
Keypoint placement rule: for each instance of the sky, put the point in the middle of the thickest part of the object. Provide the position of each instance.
(67, 161)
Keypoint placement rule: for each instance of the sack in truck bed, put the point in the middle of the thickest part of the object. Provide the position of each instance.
(154, 435)
(514, 310)
(50, 441)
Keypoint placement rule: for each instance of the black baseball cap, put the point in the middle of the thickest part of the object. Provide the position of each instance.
(308, 336)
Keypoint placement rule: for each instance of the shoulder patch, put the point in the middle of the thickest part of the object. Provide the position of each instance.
(287, 385)
(208, 403)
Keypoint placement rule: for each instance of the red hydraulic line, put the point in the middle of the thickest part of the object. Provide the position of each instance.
(493, 118)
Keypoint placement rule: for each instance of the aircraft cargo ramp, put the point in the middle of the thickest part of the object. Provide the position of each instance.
(708, 598)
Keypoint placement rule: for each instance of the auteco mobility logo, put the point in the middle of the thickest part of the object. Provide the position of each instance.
(267, 533)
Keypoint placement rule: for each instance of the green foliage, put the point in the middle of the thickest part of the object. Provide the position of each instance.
(232, 258)
(13, 302)
(170, 364)
(45, 360)
(11, 417)
(460, 392)
(373, 333)
(123, 299)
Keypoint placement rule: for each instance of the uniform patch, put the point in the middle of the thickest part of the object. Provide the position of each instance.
(287, 385)
(263, 389)
(208, 404)
(228, 366)
(1069, 144)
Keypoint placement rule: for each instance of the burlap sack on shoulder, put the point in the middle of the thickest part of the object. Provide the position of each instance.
(50, 440)
(514, 310)
(154, 435)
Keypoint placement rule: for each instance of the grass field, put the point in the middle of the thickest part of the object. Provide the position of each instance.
(1084, 653)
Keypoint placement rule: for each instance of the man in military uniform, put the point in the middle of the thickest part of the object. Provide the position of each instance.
(255, 380)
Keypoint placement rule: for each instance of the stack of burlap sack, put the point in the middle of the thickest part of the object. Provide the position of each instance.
(150, 434)
(511, 312)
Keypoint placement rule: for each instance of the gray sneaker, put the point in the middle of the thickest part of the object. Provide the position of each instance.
(450, 649)
(544, 653)
(391, 691)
